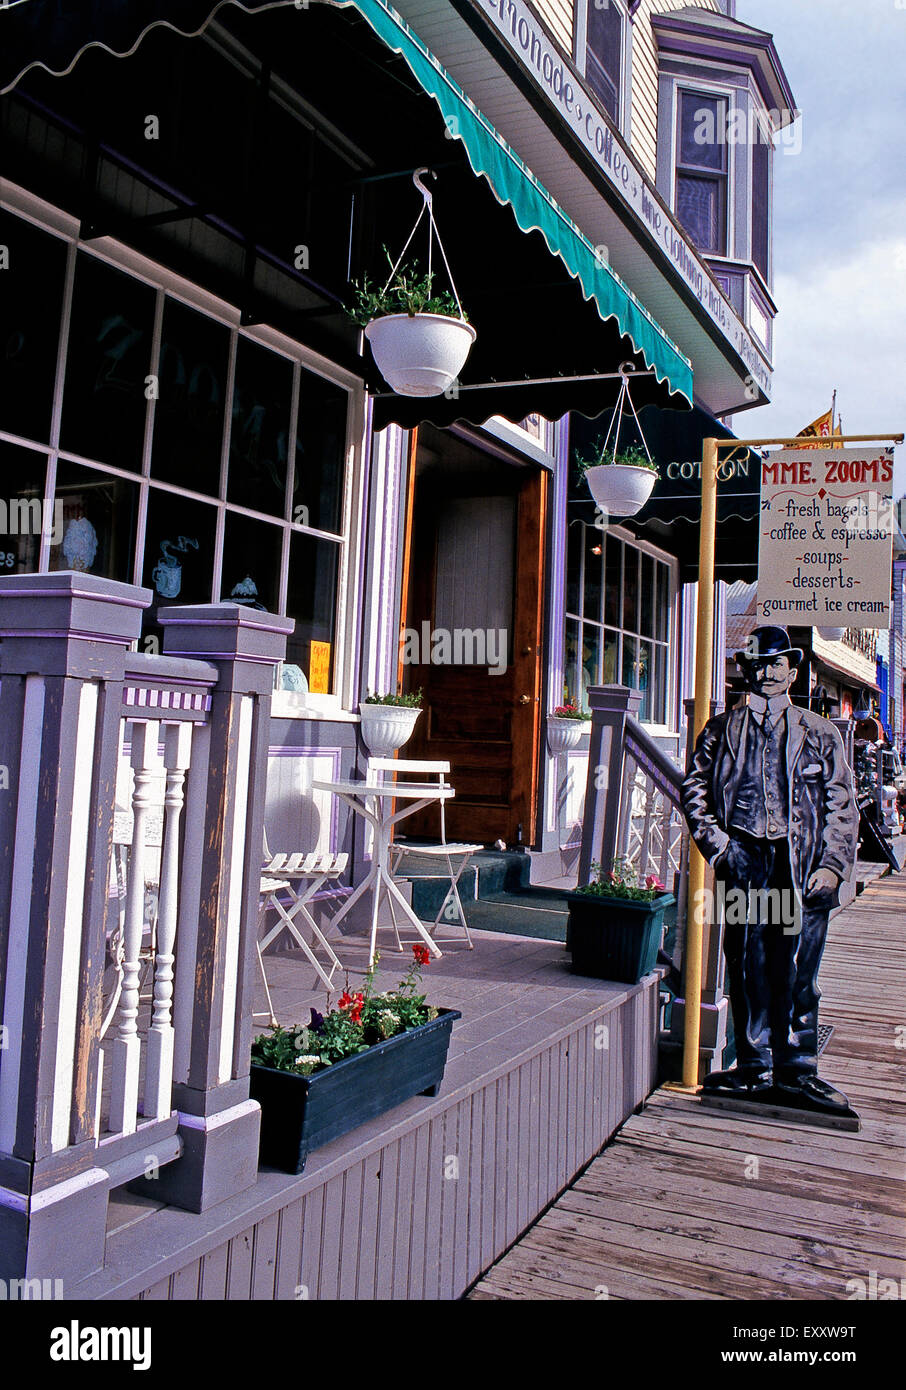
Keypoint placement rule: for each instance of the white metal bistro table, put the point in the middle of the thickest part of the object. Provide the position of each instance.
(372, 801)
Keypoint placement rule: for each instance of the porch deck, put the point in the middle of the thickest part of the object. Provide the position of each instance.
(534, 1086)
(678, 1208)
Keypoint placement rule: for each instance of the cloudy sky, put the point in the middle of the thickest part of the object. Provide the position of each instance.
(839, 218)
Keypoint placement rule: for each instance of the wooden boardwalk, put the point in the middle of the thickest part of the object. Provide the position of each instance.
(692, 1203)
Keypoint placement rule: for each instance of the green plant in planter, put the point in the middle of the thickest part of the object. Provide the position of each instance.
(409, 292)
(622, 882)
(412, 700)
(571, 711)
(360, 1021)
(630, 457)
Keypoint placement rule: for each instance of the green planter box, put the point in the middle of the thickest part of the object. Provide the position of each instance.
(615, 938)
(300, 1113)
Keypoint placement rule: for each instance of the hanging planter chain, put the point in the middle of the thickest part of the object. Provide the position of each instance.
(617, 417)
(433, 234)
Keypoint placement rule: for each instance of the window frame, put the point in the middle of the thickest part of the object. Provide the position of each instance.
(166, 283)
(689, 87)
(580, 57)
(641, 547)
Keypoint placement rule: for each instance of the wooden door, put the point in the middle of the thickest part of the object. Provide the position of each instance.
(475, 567)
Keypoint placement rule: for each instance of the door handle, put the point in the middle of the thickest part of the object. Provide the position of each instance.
(525, 699)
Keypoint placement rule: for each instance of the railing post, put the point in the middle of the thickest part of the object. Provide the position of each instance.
(62, 656)
(610, 705)
(217, 1122)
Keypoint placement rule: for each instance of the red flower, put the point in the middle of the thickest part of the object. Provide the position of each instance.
(354, 1003)
(421, 953)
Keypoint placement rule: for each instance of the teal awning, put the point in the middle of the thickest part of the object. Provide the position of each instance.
(514, 184)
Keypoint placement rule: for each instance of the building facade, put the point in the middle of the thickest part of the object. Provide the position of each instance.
(186, 399)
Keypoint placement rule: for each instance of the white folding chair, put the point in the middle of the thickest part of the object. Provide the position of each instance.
(299, 877)
(454, 857)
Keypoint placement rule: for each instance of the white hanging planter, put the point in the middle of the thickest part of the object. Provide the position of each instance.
(563, 735)
(622, 489)
(385, 728)
(420, 354)
(832, 634)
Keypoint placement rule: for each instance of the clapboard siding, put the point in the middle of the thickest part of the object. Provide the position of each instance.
(558, 16)
(423, 1213)
(643, 125)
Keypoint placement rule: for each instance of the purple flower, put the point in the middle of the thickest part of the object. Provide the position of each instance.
(317, 1021)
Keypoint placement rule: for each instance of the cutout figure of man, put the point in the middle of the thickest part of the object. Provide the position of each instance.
(770, 803)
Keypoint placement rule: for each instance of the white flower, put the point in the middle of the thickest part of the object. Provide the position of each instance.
(308, 1060)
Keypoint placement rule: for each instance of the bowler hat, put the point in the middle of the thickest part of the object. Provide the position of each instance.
(763, 643)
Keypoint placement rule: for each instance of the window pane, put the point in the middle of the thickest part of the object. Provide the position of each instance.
(604, 40)
(29, 327)
(320, 453)
(593, 573)
(312, 600)
(23, 473)
(647, 597)
(658, 696)
(189, 412)
(631, 589)
(613, 581)
(591, 660)
(703, 132)
(99, 515)
(761, 178)
(610, 672)
(108, 359)
(571, 683)
(179, 554)
(251, 562)
(574, 537)
(630, 671)
(662, 602)
(700, 209)
(259, 430)
(643, 679)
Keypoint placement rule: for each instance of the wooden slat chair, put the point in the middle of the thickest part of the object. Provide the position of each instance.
(299, 877)
(451, 858)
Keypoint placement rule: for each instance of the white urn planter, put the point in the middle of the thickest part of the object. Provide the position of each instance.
(620, 488)
(420, 354)
(565, 734)
(832, 634)
(385, 728)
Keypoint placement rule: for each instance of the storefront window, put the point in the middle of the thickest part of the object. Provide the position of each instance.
(108, 363)
(189, 413)
(185, 540)
(618, 636)
(99, 513)
(259, 429)
(30, 307)
(701, 170)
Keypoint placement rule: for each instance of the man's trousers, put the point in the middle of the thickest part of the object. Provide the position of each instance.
(773, 950)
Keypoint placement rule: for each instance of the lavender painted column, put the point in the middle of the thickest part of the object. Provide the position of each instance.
(62, 657)
(610, 706)
(217, 1122)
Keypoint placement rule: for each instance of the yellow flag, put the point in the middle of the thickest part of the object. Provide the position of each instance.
(821, 429)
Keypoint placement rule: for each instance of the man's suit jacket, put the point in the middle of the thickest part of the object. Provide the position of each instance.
(822, 814)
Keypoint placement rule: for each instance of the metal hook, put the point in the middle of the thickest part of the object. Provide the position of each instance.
(626, 369)
(417, 180)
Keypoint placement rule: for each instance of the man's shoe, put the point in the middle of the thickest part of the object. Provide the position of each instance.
(742, 1082)
(808, 1092)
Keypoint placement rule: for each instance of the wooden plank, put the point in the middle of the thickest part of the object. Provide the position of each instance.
(351, 1235)
(184, 1283)
(417, 1241)
(334, 1209)
(310, 1263)
(407, 1180)
(387, 1215)
(264, 1258)
(213, 1284)
(239, 1269)
(289, 1252)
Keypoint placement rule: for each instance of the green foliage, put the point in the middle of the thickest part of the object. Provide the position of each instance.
(413, 700)
(632, 457)
(360, 1020)
(622, 882)
(409, 292)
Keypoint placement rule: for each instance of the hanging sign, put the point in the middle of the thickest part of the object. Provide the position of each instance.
(319, 669)
(826, 538)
